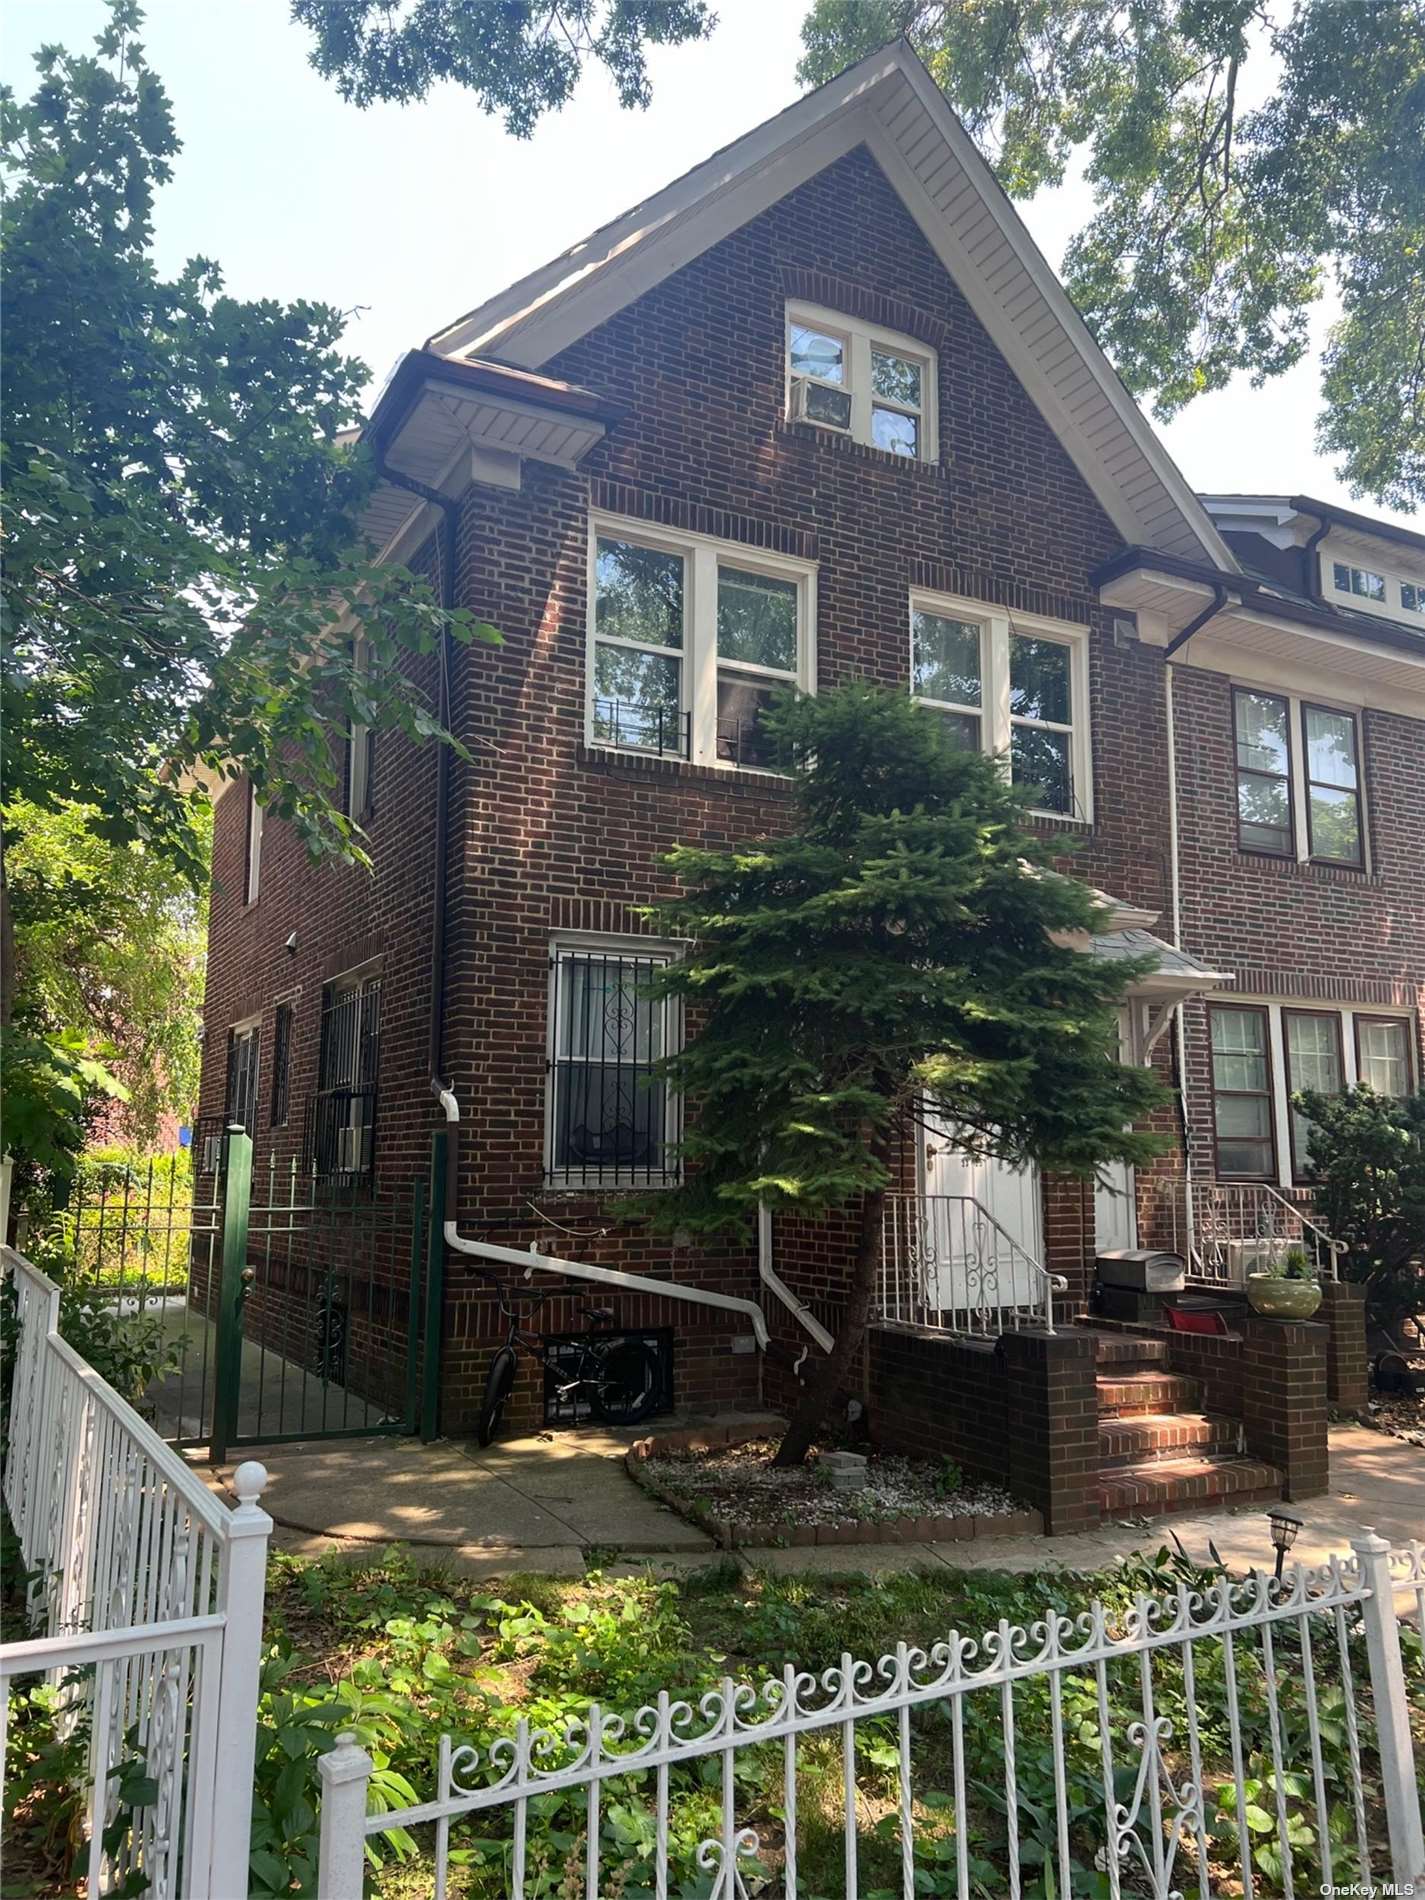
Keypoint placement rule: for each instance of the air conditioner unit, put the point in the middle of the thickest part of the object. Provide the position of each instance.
(212, 1154)
(1254, 1255)
(351, 1149)
(817, 402)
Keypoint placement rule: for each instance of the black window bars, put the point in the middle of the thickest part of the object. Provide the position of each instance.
(612, 1121)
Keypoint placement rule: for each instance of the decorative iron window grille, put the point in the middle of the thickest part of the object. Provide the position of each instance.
(639, 728)
(612, 1122)
(342, 1127)
(281, 1065)
(244, 1047)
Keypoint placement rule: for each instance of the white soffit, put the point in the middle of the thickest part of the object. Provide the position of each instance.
(1248, 644)
(890, 104)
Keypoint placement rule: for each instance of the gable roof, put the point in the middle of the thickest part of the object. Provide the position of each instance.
(888, 103)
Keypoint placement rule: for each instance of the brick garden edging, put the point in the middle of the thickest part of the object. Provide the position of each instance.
(948, 1529)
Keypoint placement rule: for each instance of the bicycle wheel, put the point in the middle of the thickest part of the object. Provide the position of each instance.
(498, 1381)
(624, 1388)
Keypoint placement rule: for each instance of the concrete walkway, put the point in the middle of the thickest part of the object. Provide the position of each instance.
(549, 1502)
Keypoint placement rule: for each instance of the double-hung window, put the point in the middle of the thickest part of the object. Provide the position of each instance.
(1315, 1059)
(1265, 1053)
(1298, 778)
(348, 1066)
(1242, 1093)
(1014, 686)
(690, 640)
(281, 1065)
(610, 1120)
(244, 1049)
(858, 380)
(1384, 1055)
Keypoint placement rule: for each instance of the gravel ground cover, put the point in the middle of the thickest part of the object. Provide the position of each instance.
(737, 1485)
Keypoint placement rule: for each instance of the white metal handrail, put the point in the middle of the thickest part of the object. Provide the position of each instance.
(1155, 1772)
(948, 1263)
(138, 1572)
(1238, 1227)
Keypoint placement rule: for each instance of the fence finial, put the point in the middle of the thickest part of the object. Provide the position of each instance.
(250, 1481)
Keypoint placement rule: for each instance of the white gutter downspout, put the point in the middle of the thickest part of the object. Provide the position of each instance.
(579, 1270)
(773, 1281)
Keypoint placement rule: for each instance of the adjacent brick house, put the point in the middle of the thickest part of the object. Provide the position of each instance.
(820, 410)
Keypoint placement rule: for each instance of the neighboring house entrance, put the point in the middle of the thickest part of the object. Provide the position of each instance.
(1115, 1213)
(961, 1191)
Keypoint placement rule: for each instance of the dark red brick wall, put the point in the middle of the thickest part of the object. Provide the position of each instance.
(1287, 931)
(1284, 1401)
(549, 836)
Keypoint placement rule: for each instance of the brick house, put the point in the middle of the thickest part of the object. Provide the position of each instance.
(820, 409)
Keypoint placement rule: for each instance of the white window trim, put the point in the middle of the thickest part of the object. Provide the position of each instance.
(996, 722)
(860, 338)
(246, 1026)
(253, 871)
(702, 555)
(1276, 1046)
(1297, 762)
(574, 943)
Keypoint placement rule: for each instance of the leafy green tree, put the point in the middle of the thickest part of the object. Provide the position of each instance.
(184, 580)
(519, 59)
(1219, 223)
(1367, 1156)
(903, 949)
(109, 944)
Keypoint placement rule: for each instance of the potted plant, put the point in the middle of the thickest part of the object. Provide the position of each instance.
(1287, 1288)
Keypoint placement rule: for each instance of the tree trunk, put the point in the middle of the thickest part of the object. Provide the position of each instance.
(822, 1389)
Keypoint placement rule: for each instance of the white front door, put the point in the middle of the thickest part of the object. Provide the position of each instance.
(965, 1248)
(1115, 1212)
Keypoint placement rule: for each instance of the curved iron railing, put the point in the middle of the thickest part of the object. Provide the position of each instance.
(947, 1263)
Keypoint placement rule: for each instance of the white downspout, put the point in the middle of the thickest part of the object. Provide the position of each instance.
(773, 1281)
(1180, 1029)
(580, 1270)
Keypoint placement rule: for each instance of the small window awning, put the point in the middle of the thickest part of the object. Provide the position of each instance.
(1155, 995)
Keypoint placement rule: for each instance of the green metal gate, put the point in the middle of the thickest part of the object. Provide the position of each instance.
(284, 1306)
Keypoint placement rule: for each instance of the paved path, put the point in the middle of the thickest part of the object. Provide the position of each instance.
(544, 1503)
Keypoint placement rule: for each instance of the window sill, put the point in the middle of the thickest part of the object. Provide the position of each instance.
(605, 758)
(1326, 872)
(610, 1184)
(838, 443)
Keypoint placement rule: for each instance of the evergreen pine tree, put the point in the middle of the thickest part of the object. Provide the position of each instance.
(906, 950)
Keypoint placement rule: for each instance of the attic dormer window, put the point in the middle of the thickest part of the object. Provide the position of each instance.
(852, 379)
(1358, 580)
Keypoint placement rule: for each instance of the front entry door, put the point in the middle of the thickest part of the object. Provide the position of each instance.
(1115, 1214)
(1012, 1197)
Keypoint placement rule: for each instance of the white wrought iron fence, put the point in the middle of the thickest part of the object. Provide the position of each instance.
(146, 1593)
(1245, 1737)
(1228, 1229)
(947, 1263)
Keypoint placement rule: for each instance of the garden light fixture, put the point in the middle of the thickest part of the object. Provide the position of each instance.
(1285, 1525)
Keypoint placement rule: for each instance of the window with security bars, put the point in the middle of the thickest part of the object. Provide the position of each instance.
(243, 1053)
(611, 1121)
(344, 1118)
(281, 1065)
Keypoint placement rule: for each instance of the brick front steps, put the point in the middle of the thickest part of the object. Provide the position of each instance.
(1159, 1453)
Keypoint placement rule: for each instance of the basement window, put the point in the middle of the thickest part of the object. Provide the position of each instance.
(857, 380)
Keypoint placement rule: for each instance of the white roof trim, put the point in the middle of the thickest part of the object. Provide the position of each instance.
(889, 103)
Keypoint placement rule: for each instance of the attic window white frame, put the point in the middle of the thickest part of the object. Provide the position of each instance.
(859, 340)
(252, 869)
(997, 626)
(702, 557)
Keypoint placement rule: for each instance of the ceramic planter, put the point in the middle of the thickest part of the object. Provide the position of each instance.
(1282, 1299)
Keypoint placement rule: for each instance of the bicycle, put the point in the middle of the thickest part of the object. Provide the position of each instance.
(619, 1374)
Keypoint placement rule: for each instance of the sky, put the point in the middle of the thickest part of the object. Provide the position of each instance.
(407, 216)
